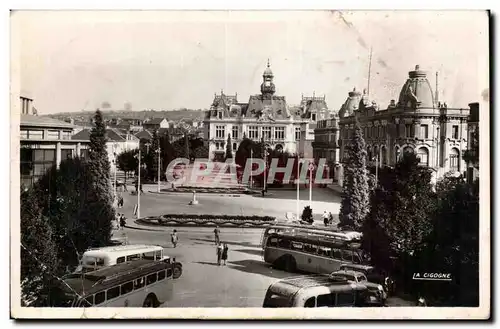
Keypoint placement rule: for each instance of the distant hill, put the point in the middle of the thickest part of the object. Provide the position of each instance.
(173, 115)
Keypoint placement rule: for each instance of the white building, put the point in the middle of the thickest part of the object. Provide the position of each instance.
(264, 116)
(117, 142)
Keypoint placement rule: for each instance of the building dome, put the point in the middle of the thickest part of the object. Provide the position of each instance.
(267, 87)
(268, 72)
(417, 91)
(351, 104)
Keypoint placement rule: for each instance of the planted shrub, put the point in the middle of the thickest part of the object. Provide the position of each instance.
(307, 215)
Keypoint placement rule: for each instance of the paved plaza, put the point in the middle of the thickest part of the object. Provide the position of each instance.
(244, 280)
(276, 203)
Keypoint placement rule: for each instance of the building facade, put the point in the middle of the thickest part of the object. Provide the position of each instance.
(155, 124)
(326, 144)
(265, 116)
(417, 122)
(44, 142)
(117, 143)
(472, 158)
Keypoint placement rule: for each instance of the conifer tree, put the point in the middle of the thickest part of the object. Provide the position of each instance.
(355, 203)
(39, 259)
(98, 158)
(229, 152)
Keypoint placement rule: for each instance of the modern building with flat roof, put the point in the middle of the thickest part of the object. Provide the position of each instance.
(44, 142)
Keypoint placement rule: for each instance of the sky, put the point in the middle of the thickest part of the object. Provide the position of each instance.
(70, 61)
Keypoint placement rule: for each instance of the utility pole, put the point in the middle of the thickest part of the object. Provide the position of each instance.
(251, 162)
(139, 186)
(369, 72)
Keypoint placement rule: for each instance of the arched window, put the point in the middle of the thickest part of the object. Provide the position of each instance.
(454, 160)
(408, 149)
(383, 156)
(423, 156)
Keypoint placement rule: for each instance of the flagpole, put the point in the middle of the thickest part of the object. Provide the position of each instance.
(251, 163)
(139, 186)
(369, 72)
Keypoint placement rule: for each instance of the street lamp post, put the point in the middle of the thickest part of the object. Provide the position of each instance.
(115, 165)
(311, 168)
(159, 156)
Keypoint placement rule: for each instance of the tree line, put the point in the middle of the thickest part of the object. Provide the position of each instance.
(188, 147)
(411, 226)
(67, 211)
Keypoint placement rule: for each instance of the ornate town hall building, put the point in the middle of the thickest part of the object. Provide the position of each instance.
(267, 116)
(417, 122)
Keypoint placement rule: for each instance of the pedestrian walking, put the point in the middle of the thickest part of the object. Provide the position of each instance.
(330, 218)
(122, 221)
(325, 218)
(216, 233)
(218, 251)
(224, 253)
(120, 201)
(174, 238)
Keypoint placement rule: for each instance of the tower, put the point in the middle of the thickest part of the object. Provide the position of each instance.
(267, 87)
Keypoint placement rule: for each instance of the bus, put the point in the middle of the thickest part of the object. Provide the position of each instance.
(308, 230)
(139, 283)
(97, 258)
(313, 254)
(315, 291)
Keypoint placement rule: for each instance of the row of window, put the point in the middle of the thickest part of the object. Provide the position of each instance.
(338, 299)
(253, 132)
(422, 154)
(48, 134)
(408, 132)
(126, 288)
(335, 253)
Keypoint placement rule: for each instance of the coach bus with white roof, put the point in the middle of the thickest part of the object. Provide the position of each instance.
(138, 283)
(313, 291)
(97, 258)
(308, 230)
(312, 253)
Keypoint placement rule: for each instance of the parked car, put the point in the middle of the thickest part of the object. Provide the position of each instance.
(377, 294)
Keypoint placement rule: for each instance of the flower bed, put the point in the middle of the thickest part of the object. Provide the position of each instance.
(187, 219)
(215, 190)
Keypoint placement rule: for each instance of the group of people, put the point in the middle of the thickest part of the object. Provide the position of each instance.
(121, 221)
(327, 218)
(221, 248)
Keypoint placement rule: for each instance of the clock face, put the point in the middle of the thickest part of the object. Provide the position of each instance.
(267, 84)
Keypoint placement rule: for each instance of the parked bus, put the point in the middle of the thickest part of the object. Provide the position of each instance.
(308, 230)
(313, 254)
(97, 258)
(139, 283)
(315, 291)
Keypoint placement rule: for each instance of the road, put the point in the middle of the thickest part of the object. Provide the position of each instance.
(242, 283)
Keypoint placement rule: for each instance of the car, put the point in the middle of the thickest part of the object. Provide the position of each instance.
(377, 294)
(120, 182)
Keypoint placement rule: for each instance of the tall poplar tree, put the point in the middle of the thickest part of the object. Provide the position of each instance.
(355, 204)
(229, 152)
